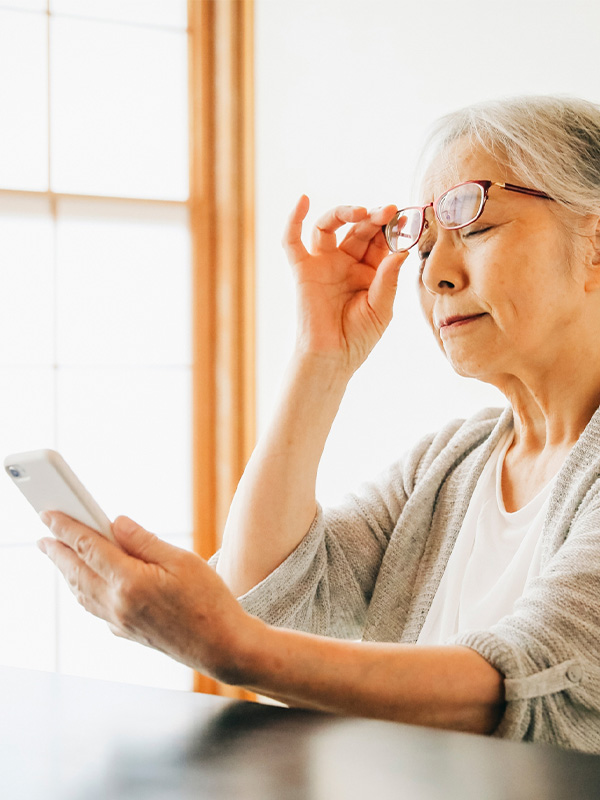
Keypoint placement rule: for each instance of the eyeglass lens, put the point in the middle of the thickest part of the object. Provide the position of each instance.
(456, 208)
(460, 206)
(404, 229)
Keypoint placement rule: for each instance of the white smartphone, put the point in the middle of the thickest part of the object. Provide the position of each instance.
(49, 484)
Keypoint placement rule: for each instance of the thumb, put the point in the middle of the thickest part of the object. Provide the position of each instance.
(383, 289)
(138, 542)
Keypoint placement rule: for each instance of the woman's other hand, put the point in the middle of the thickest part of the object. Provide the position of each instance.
(345, 290)
(153, 593)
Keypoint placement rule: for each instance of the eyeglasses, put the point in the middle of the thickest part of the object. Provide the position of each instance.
(455, 208)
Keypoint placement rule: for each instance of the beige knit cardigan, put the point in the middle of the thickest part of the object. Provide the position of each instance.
(370, 568)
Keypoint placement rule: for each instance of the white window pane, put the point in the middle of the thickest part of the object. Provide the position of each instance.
(128, 432)
(27, 409)
(25, 5)
(119, 113)
(172, 13)
(27, 621)
(123, 287)
(87, 648)
(23, 101)
(27, 296)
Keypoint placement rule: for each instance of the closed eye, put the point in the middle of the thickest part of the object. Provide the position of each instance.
(468, 234)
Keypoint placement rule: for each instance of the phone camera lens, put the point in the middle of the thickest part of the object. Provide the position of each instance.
(15, 472)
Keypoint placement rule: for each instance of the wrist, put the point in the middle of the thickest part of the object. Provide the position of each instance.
(247, 654)
(330, 368)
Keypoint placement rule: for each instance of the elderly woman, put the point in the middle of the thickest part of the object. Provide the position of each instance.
(470, 570)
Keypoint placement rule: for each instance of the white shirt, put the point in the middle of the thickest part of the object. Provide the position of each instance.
(495, 556)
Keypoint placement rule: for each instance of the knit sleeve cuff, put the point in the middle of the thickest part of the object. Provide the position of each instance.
(502, 656)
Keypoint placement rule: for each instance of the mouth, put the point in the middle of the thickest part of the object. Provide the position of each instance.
(457, 321)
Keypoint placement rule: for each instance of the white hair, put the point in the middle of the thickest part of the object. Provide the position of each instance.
(550, 143)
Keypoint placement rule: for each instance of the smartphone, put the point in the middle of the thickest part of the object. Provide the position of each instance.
(49, 484)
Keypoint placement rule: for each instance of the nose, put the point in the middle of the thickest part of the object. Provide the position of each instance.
(445, 271)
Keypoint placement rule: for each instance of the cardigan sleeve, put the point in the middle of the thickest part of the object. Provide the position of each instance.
(325, 585)
(548, 648)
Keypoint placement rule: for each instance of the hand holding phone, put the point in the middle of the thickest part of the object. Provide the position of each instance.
(49, 484)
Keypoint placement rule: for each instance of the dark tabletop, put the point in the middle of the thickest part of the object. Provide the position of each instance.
(73, 738)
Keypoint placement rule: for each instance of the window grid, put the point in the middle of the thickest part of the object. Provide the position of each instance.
(54, 199)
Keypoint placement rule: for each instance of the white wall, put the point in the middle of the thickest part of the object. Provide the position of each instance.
(330, 124)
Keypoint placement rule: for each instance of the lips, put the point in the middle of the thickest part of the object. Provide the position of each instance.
(456, 320)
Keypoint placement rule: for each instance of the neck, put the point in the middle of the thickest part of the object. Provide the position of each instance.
(552, 410)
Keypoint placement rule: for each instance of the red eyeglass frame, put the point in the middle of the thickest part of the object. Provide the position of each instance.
(485, 185)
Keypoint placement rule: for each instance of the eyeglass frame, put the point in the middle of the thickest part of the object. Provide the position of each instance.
(485, 185)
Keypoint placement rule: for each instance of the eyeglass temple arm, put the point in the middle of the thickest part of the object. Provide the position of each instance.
(522, 190)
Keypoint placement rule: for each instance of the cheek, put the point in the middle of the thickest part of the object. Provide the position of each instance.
(527, 300)
(426, 302)
(501, 279)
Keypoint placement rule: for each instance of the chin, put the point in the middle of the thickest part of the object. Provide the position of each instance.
(467, 361)
(469, 367)
(465, 373)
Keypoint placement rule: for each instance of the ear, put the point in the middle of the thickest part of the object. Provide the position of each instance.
(596, 244)
(592, 255)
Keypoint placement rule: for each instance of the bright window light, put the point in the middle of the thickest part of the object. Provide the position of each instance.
(119, 110)
(23, 101)
(167, 13)
(123, 284)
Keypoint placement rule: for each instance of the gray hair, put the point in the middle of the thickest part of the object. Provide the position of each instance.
(548, 143)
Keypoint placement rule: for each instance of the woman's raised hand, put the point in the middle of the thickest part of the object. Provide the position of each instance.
(345, 291)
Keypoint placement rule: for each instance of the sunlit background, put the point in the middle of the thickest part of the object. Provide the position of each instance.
(346, 91)
(95, 246)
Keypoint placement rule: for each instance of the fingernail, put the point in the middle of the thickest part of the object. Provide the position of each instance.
(46, 518)
(42, 546)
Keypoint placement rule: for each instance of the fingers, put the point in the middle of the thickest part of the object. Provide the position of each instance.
(292, 235)
(141, 544)
(382, 290)
(94, 550)
(87, 586)
(323, 235)
(365, 241)
(376, 251)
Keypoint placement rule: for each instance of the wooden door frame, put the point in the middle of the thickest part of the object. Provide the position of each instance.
(221, 89)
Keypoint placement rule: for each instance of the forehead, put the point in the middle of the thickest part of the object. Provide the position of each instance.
(461, 161)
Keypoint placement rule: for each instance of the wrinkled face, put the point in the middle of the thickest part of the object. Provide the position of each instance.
(500, 295)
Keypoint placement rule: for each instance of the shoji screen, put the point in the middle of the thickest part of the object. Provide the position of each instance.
(95, 298)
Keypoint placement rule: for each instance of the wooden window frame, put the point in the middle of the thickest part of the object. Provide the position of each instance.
(221, 90)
